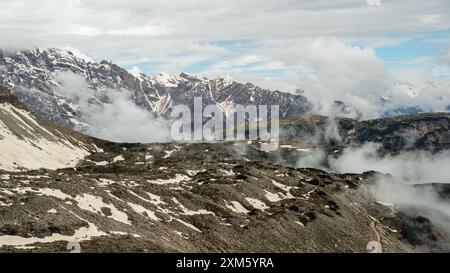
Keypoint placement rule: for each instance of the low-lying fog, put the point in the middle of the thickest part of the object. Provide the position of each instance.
(405, 169)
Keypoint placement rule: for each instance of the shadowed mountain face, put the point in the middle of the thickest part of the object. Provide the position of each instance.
(423, 131)
(37, 78)
(428, 131)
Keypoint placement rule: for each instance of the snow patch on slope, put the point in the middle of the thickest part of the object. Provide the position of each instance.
(37, 148)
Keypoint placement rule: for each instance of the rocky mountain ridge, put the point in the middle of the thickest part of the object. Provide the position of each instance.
(35, 77)
(427, 131)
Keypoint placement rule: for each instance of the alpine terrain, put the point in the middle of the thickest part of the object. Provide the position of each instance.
(39, 78)
(59, 187)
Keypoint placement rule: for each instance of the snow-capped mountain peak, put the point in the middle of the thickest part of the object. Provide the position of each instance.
(167, 80)
(35, 77)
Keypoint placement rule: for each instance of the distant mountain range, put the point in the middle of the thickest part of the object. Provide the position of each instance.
(33, 75)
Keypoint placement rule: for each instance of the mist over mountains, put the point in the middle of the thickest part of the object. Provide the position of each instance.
(104, 146)
(59, 186)
(77, 94)
(63, 80)
(400, 163)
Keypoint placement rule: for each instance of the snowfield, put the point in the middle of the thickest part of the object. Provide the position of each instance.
(26, 144)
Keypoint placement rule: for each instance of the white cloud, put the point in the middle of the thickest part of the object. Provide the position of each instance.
(330, 70)
(118, 120)
(446, 58)
(405, 169)
(282, 45)
(338, 72)
(374, 2)
(74, 23)
(136, 71)
(79, 54)
(415, 167)
(148, 30)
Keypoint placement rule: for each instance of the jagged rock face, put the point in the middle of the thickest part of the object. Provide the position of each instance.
(423, 131)
(32, 76)
(188, 198)
(429, 131)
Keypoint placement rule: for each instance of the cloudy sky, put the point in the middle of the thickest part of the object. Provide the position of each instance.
(350, 49)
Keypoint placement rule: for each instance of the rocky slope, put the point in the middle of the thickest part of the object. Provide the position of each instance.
(37, 78)
(423, 131)
(193, 197)
(222, 197)
(428, 131)
(29, 142)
